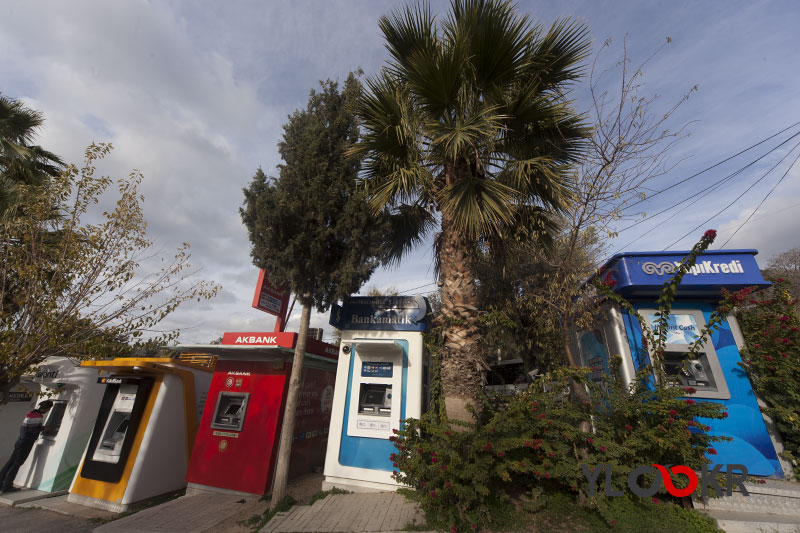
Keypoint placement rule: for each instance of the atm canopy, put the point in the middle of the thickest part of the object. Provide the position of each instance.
(261, 346)
(643, 274)
(378, 347)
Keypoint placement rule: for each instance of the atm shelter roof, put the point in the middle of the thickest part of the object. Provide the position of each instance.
(245, 352)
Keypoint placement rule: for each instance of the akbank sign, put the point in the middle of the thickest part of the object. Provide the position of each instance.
(735, 475)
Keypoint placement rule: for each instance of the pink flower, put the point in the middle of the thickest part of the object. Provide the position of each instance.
(453, 529)
(444, 467)
(434, 460)
(447, 433)
(433, 494)
(613, 522)
(487, 446)
(590, 440)
(499, 454)
(423, 484)
(690, 402)
(673, 412)
(710, 234)
(628, 427)
(712, 451)
(689, 390)
(655, 501)
(602, 448)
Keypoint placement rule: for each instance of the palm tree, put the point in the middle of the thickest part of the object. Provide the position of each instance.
(468, 126)
(20, 161)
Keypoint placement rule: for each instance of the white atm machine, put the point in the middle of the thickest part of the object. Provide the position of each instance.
(382, 379)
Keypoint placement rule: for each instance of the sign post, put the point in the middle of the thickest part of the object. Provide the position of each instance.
(271, 300)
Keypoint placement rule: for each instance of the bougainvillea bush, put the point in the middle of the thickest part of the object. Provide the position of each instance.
(523, 448)
(771, 329)
(528, 445)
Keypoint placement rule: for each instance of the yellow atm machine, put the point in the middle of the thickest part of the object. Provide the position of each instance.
(144, 431)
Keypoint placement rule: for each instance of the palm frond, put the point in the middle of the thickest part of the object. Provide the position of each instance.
(409, 224)
(477, 206)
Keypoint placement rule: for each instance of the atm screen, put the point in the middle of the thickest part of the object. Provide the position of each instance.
(123, 426)
(54, 418)
(374, 397)
(230, 411)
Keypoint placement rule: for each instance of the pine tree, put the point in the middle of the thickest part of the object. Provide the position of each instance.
(311, 228)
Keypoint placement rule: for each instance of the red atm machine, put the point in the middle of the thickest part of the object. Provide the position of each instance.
(238, 437)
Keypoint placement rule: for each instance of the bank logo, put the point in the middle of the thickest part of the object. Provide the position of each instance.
(662, 268)
(736, 475)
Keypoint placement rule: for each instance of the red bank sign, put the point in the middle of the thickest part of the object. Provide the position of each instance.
(269, 298)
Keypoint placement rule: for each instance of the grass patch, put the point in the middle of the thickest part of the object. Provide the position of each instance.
(562, 513)
(260, 520)
(140, 506)
(321, 495)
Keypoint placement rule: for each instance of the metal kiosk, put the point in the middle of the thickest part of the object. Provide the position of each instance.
(144, 430)
(237, 444)
(715, 374)
(76, 397)
(383, 378)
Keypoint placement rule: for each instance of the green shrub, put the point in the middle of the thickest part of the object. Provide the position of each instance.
(529, 445)
(771, 329)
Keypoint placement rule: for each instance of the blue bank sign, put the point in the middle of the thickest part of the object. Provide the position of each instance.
(383, 313)
(644, 273)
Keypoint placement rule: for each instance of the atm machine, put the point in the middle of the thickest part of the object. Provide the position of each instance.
(76, 397)
(143, 431)
(383, 378)
(237, 443)
(714, 373)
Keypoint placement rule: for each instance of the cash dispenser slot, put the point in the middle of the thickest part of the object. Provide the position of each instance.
(230, 411)
(117, 423)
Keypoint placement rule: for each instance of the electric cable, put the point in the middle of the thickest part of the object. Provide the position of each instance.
(762, 201)
(712, 166)
(415, 288)
(734, 201)
(702, 193)
(713, 185)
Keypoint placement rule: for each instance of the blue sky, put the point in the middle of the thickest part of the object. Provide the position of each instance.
(194, 94)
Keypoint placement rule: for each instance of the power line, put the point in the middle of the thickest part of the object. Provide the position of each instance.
(713, 185)
(762, 201)
(702, 193)
(735, 200)
(415, 288)
(712, 166)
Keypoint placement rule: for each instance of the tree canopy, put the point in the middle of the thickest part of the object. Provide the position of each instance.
(21, 162)
(469, 122)
(310, 227)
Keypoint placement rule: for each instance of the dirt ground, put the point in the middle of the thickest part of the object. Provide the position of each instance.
(302, 489)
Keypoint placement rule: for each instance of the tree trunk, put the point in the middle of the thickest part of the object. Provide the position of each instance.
(462, 364)
(287, 430)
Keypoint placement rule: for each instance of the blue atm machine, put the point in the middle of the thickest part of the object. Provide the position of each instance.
(715, 374)
(383, 378)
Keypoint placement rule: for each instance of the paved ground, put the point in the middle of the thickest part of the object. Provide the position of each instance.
(196, 512)
(381, 511)
(31, 520)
